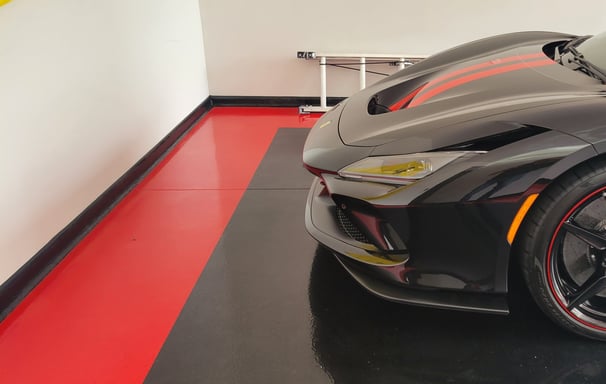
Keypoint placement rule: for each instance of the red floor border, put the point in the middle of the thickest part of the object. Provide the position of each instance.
(104, 312)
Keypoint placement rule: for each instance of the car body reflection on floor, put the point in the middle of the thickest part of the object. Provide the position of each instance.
(360, 338)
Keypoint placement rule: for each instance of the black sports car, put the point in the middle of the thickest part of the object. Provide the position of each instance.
(433, 183)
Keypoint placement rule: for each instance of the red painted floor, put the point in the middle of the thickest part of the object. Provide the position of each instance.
(104, 312)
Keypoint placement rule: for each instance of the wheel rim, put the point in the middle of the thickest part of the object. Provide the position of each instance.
(576, 261)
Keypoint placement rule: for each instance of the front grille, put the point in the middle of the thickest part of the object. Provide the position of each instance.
(349, 228)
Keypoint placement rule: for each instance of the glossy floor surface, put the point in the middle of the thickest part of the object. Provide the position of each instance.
(205, 274)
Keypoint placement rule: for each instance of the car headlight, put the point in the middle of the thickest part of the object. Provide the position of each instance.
(399, 169)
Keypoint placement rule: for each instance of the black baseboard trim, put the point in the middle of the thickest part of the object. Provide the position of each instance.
(270, 101)
(16, 288)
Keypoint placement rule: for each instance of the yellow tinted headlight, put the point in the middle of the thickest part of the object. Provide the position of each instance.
(399, 169)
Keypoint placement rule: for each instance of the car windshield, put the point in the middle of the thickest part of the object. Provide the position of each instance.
(594, 50)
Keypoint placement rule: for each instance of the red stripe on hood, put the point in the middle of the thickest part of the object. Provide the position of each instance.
(400, 103)
(476, 76)
(485, 64)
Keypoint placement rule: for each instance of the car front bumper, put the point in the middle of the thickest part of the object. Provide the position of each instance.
(384, 273)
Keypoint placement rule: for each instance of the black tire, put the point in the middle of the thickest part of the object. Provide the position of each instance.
(562, 245)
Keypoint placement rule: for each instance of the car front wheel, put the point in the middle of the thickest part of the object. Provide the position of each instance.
(563, 250)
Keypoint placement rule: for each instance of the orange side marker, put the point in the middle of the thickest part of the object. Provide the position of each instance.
(517, 220)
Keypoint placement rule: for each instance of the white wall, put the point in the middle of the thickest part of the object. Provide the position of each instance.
(251, 45)
(86, 89)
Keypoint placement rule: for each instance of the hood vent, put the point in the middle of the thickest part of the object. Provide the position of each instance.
(396, 97)
(488, 143)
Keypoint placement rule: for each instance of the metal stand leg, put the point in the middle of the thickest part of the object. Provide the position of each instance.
(362, 72)
(323, 82)
(323, 104)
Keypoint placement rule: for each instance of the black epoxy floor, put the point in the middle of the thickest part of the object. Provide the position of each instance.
(273, 307)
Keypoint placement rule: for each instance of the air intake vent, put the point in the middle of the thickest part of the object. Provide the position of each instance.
(349, 228)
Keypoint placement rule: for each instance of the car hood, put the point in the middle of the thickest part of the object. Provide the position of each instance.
(435, 103)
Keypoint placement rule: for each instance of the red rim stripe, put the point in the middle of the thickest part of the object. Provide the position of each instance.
(548, 262)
